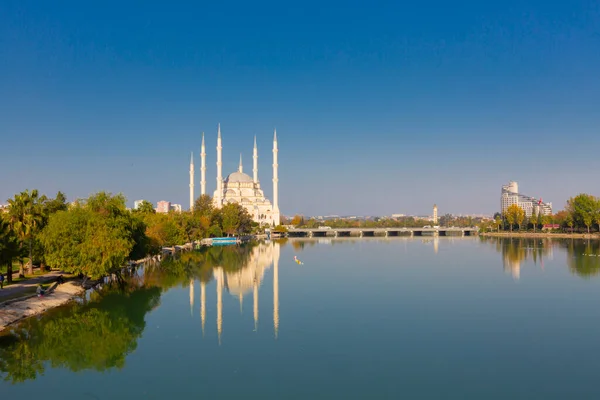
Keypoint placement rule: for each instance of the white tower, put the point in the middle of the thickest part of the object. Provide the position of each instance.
(192, 182)
(219, 194)
(435, 216)
(275, 181)
(241, 168)
(255, 157)
(202, 167)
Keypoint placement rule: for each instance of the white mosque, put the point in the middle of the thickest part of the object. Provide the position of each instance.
(239, 187)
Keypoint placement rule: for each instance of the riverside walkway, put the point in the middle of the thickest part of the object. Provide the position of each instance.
(26, 286)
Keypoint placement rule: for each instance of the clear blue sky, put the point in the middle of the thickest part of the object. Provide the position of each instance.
(380, 107)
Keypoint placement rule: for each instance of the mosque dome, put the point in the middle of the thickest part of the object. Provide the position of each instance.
(238, 177)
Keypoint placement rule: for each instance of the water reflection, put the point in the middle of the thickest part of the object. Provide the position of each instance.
(237, 270)
(69, 337)
(240, 282)
(583, 256)
(99, 333)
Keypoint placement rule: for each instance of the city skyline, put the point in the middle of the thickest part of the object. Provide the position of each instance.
(380, 111)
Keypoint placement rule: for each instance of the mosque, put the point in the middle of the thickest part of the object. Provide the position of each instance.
(239, 187)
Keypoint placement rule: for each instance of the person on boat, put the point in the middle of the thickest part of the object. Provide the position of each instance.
(40, 290)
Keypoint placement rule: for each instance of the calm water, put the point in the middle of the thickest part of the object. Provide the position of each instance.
(421, 318)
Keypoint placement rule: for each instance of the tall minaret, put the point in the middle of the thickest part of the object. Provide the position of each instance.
(241, 168)
(219, 194)
(275, 181)
(203, 167)
(255, 157)
(276, 288)
(192, 182)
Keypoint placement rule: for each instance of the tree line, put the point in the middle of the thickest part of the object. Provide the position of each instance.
(97, 236)
(581, 214)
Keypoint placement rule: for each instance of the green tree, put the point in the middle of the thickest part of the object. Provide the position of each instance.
(59, 203)
(9, 248)
(204, 206)
(95, 237)
(231, 218)
(497, 222)
(145, 207)
(582, 209)
(540, 220)
(533, 220)
(25, 215)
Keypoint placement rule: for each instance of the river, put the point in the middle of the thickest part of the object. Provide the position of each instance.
(359, 318)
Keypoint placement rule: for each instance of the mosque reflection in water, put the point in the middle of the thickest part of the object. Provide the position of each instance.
(582, 256)
(241, 282)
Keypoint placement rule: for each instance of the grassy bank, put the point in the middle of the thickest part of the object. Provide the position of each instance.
(542, 235)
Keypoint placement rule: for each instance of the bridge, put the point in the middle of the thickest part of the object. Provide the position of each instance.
(360, 232)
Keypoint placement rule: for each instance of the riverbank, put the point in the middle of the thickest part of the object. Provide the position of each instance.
(546, 235)
(12, 311)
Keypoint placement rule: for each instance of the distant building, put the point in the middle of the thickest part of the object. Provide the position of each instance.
(510, 195)
(137, 204)
(3, 208)
(435, 214)
(175, 207)
(163, 206)
(398, 215)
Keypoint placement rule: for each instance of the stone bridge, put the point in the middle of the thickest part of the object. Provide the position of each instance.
(360, 232)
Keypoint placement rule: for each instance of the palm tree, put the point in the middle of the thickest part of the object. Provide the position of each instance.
(9, 248)
(25, 215)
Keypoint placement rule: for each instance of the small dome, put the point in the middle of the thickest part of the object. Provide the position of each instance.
(238, 177)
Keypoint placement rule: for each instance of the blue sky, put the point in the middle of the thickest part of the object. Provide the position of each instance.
(380, 108)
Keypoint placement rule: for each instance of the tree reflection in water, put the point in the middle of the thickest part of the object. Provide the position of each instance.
(100, 334)
(96, 336)
(583, 256)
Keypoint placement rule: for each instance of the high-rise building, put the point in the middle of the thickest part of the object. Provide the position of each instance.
(163, 206)
(435, 214)
(510, 195)
(175, 207)
(137, 204)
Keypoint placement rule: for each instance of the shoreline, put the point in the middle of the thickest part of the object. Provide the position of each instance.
(15, 310)
(546, 235)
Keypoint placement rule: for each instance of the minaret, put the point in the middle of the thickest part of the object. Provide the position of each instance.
(276, 288)
(275, 181)
(255, 157)
(219, 194)
(192, 182)
(203, 304)
(202, 167)
(241, 168)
